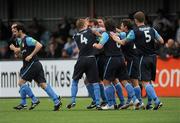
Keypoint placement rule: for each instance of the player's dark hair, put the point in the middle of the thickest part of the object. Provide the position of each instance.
(110, 25)
(102, 18)
(19, 26)
(93, 20)
(128, 23)
(139, 16)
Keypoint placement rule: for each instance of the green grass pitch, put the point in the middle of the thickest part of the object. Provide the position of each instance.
(169, 113)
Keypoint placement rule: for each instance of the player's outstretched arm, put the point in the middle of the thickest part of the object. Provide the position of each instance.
(102, 40)
(116, 38)
(96, 33)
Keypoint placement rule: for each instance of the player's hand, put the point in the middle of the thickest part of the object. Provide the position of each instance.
(16, 55)
(118, 30)
(12, 47)
(114, 36)
(96, 33)
(94, 45)
(16, 50)
(19, 55)
(28, 58)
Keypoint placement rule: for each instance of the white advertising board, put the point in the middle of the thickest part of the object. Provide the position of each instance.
(58, 74)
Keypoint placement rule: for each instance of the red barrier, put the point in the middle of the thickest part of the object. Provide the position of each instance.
(168, 78)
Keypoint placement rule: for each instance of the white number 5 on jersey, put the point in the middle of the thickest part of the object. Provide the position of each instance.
(148, 36)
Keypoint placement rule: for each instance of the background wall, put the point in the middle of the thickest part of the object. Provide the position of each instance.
(52, 10)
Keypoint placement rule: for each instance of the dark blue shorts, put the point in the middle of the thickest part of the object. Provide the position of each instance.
(33, 71)
(101, 60)
(87, 65)
(133, 68)
(115, 68)
(147, 68)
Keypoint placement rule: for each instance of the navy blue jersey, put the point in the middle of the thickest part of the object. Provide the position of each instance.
(129, 49)
(144, 38)
(85, 40)
(27, 45)
(111, 48)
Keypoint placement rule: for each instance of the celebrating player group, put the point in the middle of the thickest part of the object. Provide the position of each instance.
(111, 57)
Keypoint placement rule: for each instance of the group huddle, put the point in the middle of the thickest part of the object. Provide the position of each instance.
(114, 57)
(111, 57)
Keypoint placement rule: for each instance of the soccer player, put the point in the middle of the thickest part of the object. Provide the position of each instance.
(145, 38)
(93, 25)
(131, 57)
(86, 62)
(115, 66)
(32, 69)
(99, 28)
(101, 65)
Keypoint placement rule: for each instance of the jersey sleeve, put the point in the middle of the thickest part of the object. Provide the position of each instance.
(157, 36)
(104, 38)
(31, 41)
(122, 35)
(130, 36)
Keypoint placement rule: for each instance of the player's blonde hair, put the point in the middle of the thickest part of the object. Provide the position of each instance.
(80, 23)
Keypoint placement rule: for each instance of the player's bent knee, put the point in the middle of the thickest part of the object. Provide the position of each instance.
(135, 82)
(144, 83)
(21, 82)
(106, 82)
(116, 81)
(43, 85)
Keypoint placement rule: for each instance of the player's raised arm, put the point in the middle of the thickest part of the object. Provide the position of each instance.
(116, 38)
(129, 37)
(98, 34)
(103, 39)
